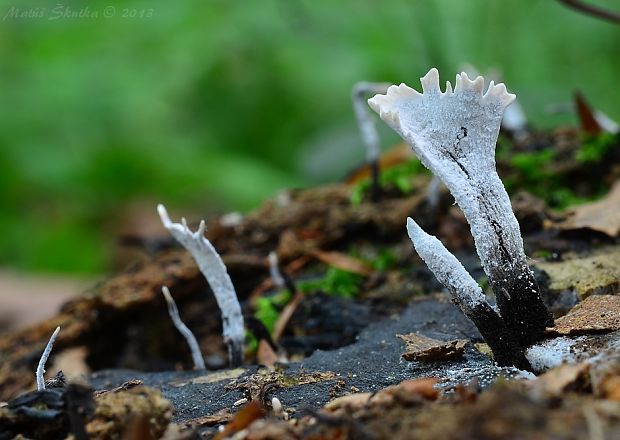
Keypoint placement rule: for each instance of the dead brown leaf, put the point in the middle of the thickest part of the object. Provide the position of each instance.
(585, 112)
(596, 314)
(248, 414)
(601, 216)
(344, 262)
(424, 387)
(286, 315)
(422, 348)
(401, 153)
(265, 355)
(565, 377)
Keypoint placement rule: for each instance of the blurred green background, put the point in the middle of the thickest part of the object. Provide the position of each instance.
(213, 105)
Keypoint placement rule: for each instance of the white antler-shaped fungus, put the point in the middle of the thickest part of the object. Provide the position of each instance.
(454, 135)
(214, 270)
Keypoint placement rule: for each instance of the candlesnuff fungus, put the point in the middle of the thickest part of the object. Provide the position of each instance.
(214, 270)
(454, 135)
(468, 295)
(173, 311)
(367, 128)
(46, 354)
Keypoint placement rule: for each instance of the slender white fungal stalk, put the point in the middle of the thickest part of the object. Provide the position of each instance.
(173, 311)
(43, 360)
(454, 135)
(214, 270)
(445, 266)
(433, 194)
(274, 271)
(365, 121)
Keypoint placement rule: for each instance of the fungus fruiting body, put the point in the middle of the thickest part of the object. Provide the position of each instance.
(192, 342)
(46, 354)
(454, 135)
(214, 270)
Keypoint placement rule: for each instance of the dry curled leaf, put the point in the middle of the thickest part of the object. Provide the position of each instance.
(422, 348)
(248, 414)
(601, 216)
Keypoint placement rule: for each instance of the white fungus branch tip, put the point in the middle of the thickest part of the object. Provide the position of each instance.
(173, 311)
(445, 266)
(43, 360)
(214, 270)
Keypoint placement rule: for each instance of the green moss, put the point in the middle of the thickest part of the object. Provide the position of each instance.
(268, 308)
(594, 148)
(536, 176)
(385, 260)
(336, 282)
(398, 176)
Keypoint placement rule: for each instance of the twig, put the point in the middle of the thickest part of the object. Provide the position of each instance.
(214, 270)
(283, 281)
(285, 315)
(594, 11)
(43, 360)
(173, 311)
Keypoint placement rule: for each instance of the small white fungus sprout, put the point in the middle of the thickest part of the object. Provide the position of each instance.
(173, 311)
(365, 120)
(212, 267)
(448, 270)
(43, 360)
(274, 271)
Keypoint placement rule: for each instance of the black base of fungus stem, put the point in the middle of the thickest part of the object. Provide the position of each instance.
(521, 307)
(235, 355)
(506, 351)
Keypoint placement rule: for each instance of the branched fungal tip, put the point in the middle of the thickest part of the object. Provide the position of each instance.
(214, 270)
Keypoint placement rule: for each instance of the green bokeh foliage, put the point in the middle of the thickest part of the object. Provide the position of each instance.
(216, 104)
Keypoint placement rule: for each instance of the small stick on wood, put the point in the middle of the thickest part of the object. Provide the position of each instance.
(173, 311)
(43, 360)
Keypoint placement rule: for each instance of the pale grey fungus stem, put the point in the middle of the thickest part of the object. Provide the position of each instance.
(433, 194)
(43, 360)
(368, 130)
(214, 270)
(365, 120)
(454, 135)
(173, 311)
(274, 271)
